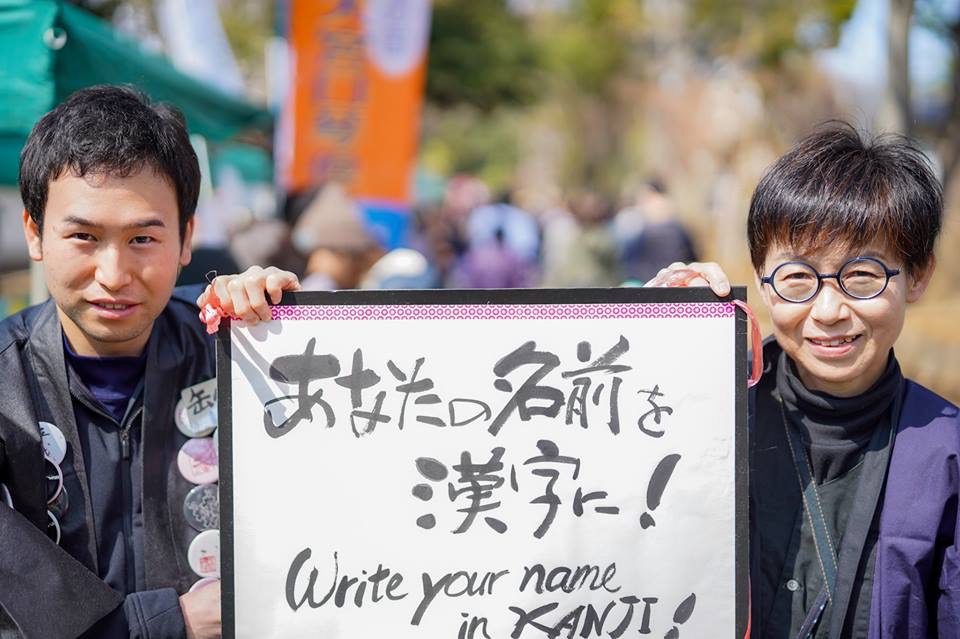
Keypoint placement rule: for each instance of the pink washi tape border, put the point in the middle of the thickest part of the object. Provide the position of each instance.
(505, 311)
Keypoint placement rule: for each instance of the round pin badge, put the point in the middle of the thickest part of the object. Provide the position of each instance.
(203, 583)
(54, 475)
(191, 424)
(53, 528)
(58, 507)
(197, 461)
(53, 442)
(201, 507)
(204, 554)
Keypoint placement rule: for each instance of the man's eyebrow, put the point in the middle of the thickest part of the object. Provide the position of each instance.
(139, 224)
(79, 221)
(142, 224)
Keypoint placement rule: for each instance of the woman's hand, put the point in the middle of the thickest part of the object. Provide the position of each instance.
(693, 274)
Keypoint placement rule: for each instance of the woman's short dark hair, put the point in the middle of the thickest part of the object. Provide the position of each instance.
(113, 130)
(837, 186)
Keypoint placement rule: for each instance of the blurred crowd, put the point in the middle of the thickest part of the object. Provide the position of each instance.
(469, 238)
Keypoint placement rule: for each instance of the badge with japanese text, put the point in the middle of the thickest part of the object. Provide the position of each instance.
(485, 465)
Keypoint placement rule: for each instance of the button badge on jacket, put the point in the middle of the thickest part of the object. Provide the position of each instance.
(196, 411)
(201, 508)
(198, 463)
(53, 442)
(204, 554)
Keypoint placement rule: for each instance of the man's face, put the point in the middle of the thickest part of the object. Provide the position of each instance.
(840, 344)
(111, 251)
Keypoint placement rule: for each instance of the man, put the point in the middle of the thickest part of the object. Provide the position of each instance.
(103, 383)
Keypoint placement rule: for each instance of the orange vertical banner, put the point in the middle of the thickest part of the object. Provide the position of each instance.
(359, 68)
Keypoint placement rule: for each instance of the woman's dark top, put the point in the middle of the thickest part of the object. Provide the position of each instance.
(837, 432)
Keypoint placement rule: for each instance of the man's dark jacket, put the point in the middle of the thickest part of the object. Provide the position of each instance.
(49, 591)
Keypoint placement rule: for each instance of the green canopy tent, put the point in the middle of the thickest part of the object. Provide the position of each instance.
(48, 49)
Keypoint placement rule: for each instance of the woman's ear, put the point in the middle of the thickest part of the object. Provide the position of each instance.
(764, 290)
(919, 280)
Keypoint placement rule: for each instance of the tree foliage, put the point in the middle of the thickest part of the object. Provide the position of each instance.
(481, 54)
(591, 44)
(766, 31)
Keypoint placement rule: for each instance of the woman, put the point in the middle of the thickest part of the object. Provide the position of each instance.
(854, 470)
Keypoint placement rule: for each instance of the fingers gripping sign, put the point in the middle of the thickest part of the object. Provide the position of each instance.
(244, 296)
(693, 274)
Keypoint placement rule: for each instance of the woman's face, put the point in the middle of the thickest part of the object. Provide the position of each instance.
(840, 344)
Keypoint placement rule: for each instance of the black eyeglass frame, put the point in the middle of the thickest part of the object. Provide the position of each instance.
(889, 272)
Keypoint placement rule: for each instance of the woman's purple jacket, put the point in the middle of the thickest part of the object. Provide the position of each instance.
(916, 591)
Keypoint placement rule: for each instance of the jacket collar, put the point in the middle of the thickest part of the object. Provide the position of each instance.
(52, 402)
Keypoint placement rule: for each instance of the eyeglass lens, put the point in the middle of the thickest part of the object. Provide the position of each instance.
(795, 281)
(861, 278)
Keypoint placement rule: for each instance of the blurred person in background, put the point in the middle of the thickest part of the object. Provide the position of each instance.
(339, 246)
(559, 229)
(492, 263)
(401, 268)
(854, 470)
(503, 247)
(435, 235)
(582, 250)
(214, 223)
(447, 230)
(649, 234)
(205, 261)
(93, 542)
(270, 240)
(519, 229)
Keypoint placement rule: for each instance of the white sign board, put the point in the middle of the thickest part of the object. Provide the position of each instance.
(486, 464)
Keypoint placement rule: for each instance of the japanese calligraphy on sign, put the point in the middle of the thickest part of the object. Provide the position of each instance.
(488, 465)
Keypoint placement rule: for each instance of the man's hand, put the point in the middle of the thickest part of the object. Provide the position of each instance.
(693, 274)
(244, 295)
(201, 612)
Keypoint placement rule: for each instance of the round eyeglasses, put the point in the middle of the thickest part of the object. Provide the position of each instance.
(861, 278)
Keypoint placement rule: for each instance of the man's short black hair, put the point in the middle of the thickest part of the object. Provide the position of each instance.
(837, 186)
(111, 130)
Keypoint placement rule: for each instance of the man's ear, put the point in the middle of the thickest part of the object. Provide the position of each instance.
(32, 233)
(919, 280)
(186, 243)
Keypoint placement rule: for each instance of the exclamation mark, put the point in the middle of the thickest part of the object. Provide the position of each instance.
(681, 615)
(658, 482)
